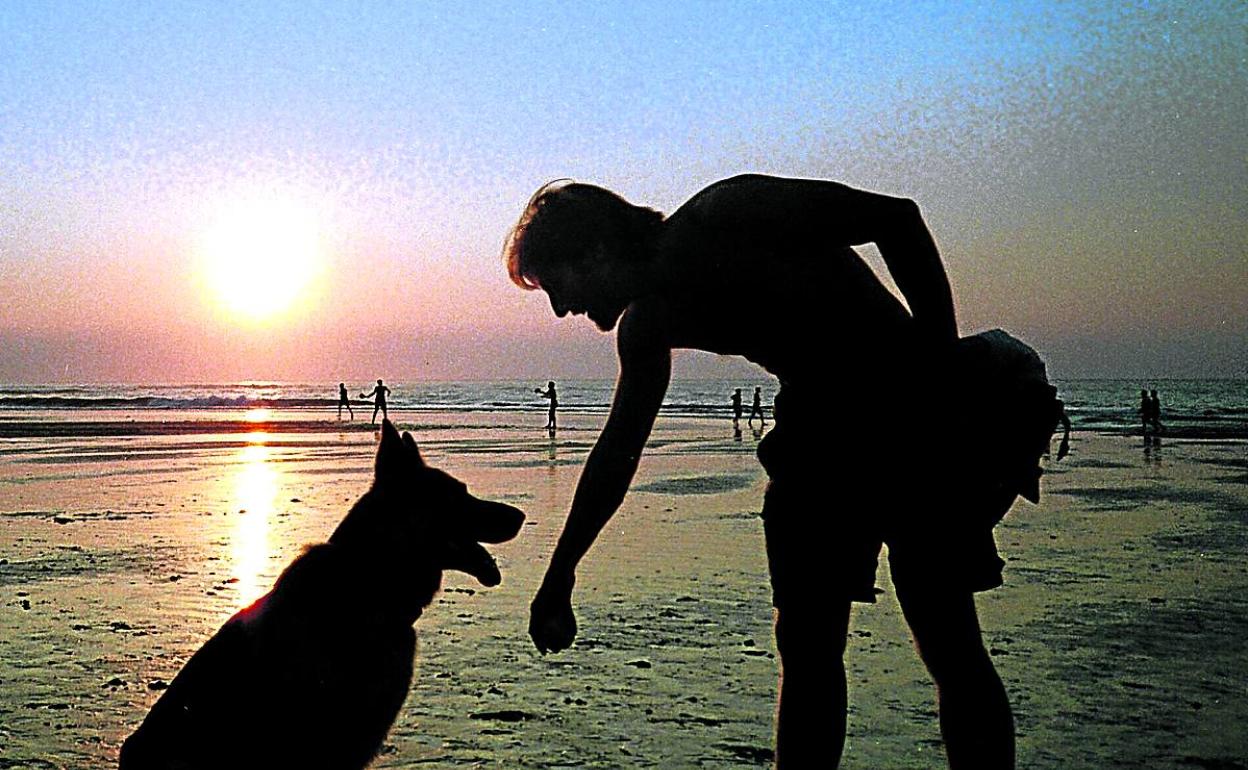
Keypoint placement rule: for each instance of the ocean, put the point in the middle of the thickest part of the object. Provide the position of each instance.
(1193, 408)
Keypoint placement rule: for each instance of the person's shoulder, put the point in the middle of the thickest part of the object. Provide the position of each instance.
(751, 183)
(728, 197)
(711, 205)
(726, 190)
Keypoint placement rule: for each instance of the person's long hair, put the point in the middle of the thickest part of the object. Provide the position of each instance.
(564, 221)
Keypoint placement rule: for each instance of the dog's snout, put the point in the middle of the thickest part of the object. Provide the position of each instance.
(496, 522)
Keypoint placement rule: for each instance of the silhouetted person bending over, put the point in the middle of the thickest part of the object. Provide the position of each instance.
(343, 400)
(665, 282)
(756, 409)
(554, 403)
(381, 391)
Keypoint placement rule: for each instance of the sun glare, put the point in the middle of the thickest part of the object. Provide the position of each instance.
(260, 256)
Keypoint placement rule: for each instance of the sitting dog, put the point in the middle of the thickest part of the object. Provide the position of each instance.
(313, 674)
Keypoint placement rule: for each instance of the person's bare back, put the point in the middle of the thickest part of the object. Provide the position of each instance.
(745, 234)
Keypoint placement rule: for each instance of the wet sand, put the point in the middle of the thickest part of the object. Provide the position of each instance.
(1119, 631)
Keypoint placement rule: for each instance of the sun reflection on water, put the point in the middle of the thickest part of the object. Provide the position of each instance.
(259, 414)
(256, 487)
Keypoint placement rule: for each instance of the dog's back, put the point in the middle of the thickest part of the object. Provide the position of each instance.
(314, 673)
(302, 678)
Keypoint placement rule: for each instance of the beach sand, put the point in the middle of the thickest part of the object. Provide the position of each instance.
(1119, 632)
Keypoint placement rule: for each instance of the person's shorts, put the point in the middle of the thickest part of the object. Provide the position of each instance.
(814, 549)
(831, 505)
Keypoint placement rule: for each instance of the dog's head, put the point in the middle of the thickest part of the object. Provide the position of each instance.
(424, 516)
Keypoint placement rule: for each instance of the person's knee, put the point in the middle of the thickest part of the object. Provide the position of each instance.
(946, 633)
(956, 662)
(812, 637)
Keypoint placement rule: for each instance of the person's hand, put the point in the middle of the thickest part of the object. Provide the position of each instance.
(552, 624)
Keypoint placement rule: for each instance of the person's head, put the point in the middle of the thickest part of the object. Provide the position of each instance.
(378, 382)
(1152, 394)
(582, 245)
(342, 385)
(551, 385)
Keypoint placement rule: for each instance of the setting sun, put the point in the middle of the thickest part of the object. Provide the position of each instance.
(259, 256)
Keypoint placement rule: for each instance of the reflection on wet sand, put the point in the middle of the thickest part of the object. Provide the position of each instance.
(256, 485)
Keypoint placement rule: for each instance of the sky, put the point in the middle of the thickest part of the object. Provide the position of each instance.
(1082, 166)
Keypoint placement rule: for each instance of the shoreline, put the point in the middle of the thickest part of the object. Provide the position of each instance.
(163, 424)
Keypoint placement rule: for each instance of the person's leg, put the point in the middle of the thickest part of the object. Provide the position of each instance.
(814, 575)
(975, 716)
(810, 714)
(376, 408)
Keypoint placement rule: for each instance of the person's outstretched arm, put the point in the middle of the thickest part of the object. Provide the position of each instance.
(645, 369)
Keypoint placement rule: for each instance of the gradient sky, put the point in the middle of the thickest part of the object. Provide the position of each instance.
(1083, 166)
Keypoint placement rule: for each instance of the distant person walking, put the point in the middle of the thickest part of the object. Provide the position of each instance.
(554, 403)
(737, 409)
(1154, 413)
(343, 400)
(381, 391)
(756, 410)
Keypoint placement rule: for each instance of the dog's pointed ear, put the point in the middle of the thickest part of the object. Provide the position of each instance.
(390, 454)
(412, 450)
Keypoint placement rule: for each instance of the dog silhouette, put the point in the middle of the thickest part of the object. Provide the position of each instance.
(313, 674)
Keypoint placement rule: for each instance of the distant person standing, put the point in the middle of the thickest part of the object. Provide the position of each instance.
(756, 410)
(1154, 413)
(1146, 408)
(381, 391)
(554, 403)
(343, 400)
(737, 409)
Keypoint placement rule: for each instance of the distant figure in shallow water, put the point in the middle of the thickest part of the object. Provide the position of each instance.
(737, 409)
(554, 403)
(381, 391)
(664, 280)
(1146, 408)
(343, 400)
(756, 410)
